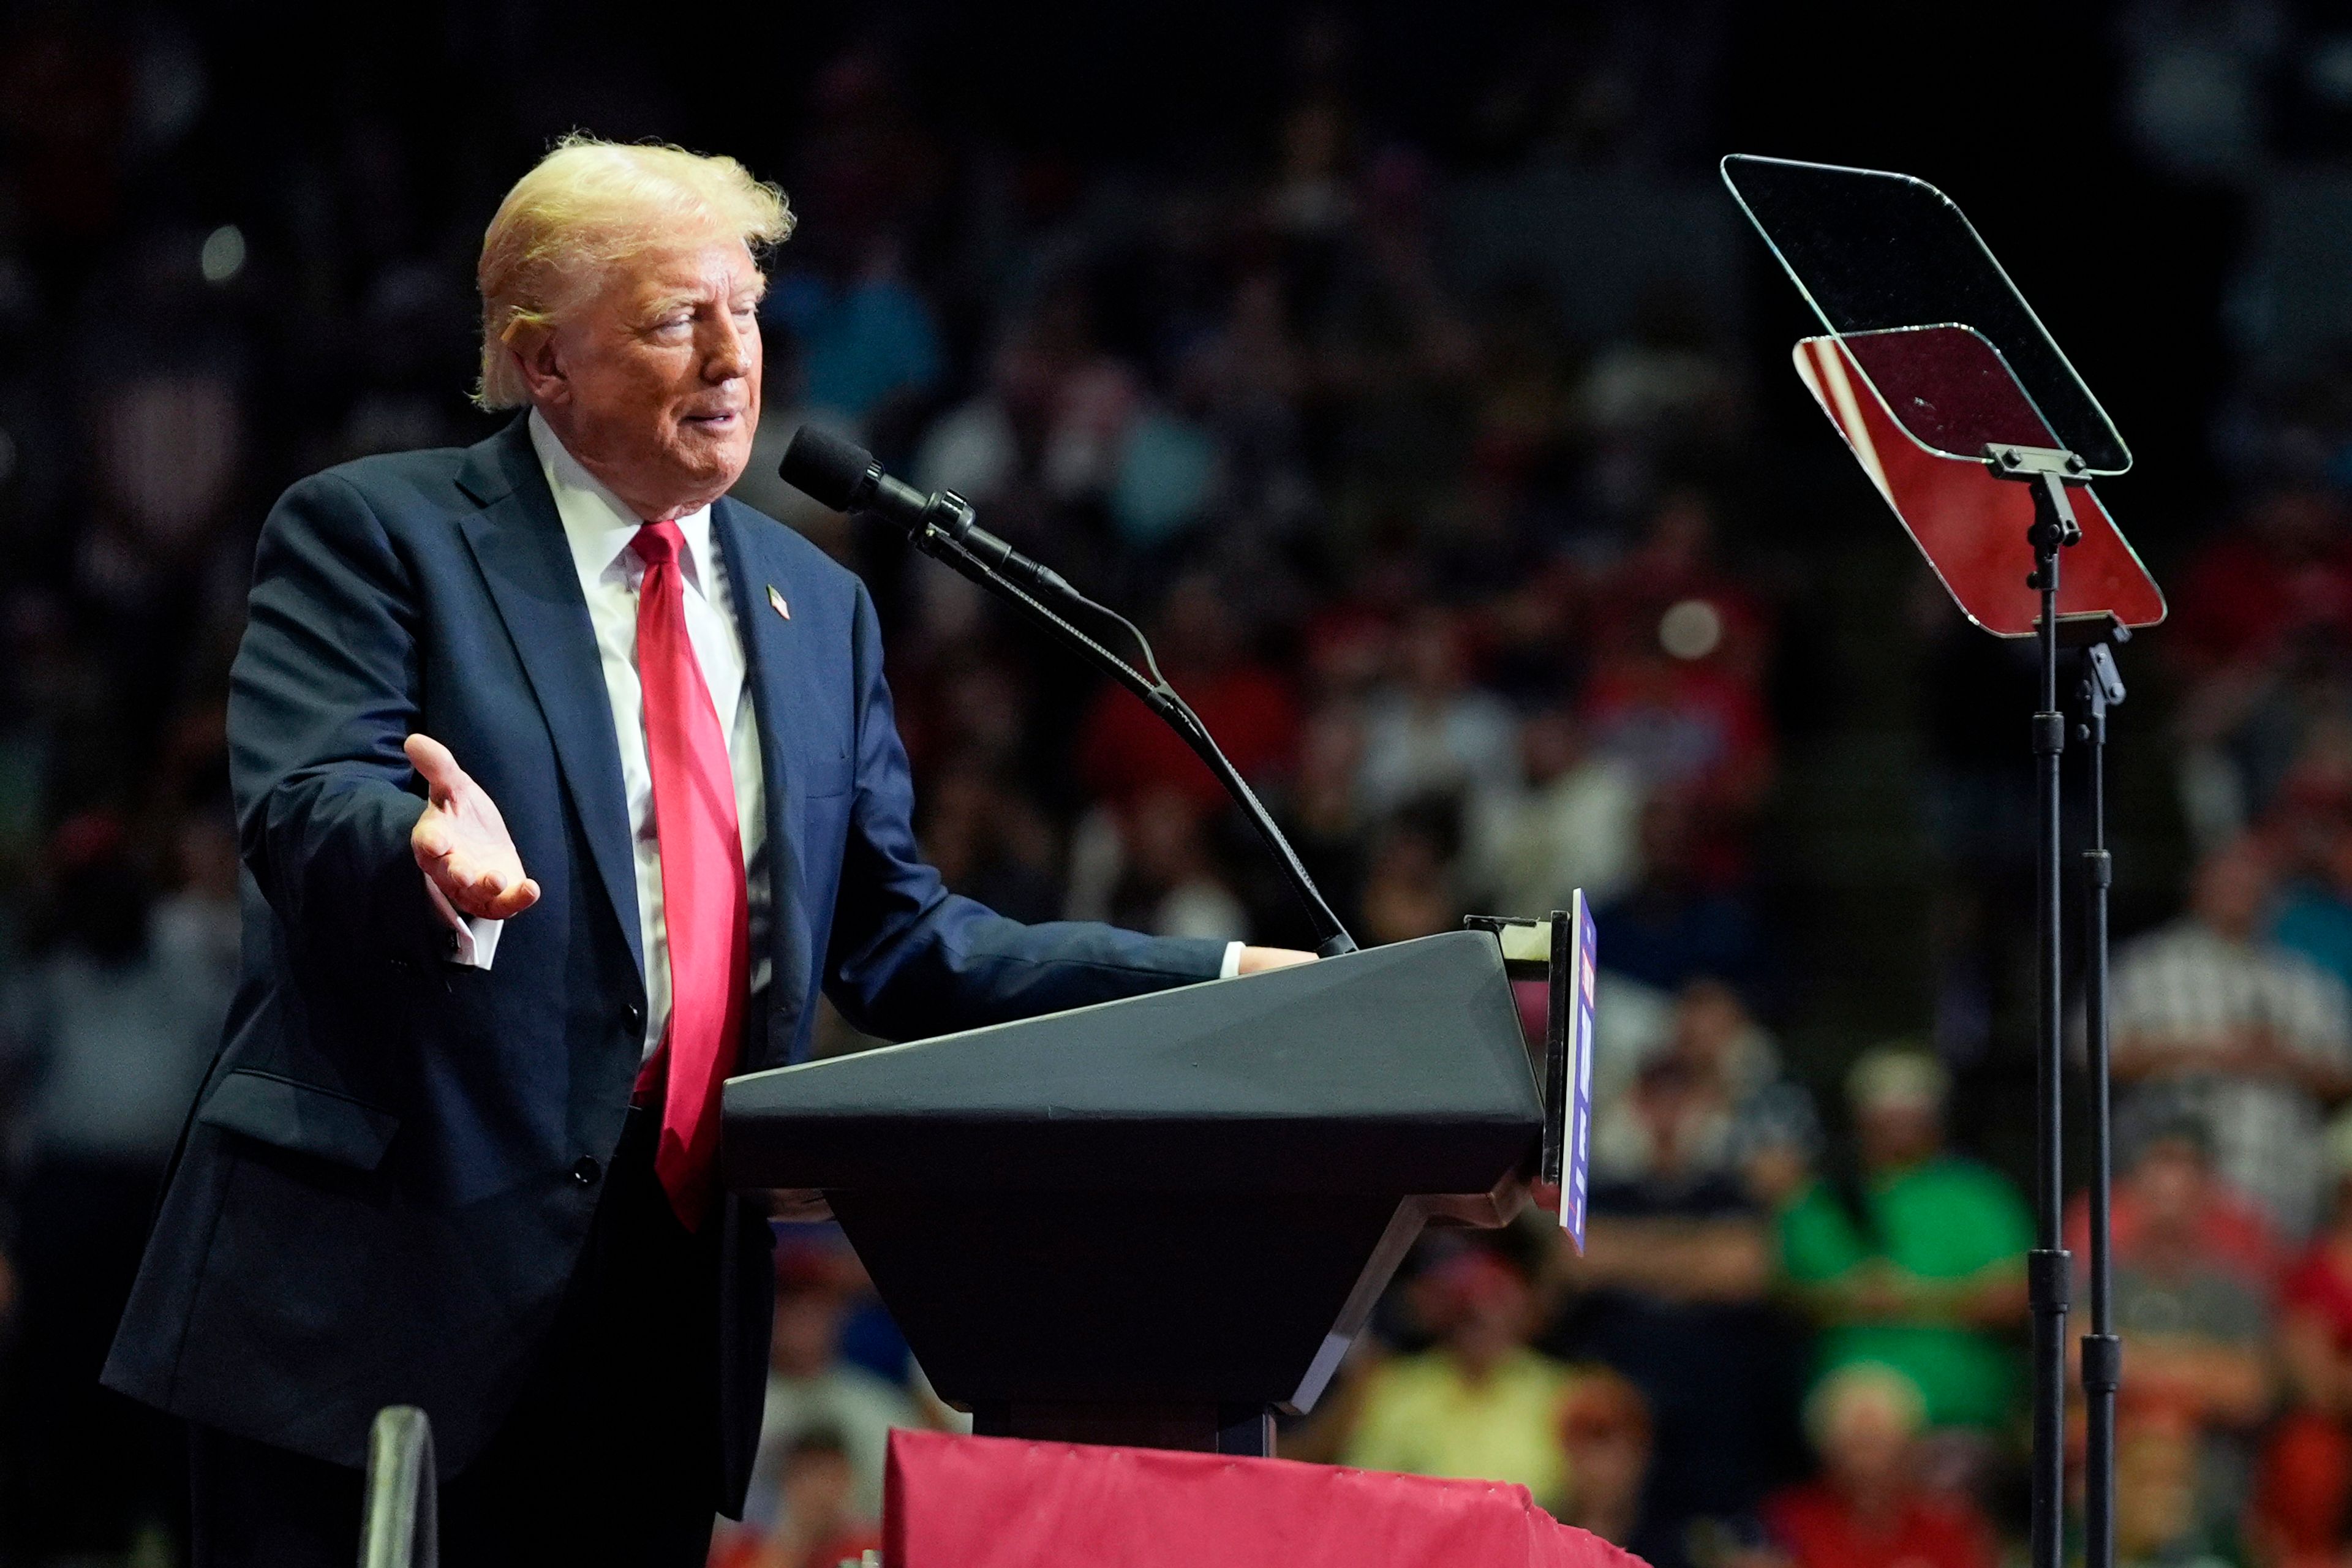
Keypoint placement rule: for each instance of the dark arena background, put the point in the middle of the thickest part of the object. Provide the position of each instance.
(1408, 372)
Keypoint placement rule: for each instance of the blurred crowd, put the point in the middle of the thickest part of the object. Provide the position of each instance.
(1469, 558)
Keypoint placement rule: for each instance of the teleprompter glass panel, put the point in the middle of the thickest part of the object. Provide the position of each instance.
(1878, 253)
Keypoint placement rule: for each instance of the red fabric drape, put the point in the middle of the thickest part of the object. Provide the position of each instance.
(995, 1502)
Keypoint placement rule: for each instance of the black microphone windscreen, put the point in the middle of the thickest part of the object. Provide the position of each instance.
(828, 468)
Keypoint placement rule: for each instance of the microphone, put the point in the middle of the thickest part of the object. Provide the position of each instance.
(845, 476)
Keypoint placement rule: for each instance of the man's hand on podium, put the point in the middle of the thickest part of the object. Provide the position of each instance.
(1255, 959)
(461, 842)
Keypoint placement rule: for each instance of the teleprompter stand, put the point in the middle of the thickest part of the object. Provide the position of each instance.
(1972, 424)
(2049, 1269)
(2050, 473)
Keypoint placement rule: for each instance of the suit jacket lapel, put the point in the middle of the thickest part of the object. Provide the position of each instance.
(518, 542)
(775, 666)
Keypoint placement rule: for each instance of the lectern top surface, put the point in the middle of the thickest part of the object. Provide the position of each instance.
(1404, 1062)
(1880, 253)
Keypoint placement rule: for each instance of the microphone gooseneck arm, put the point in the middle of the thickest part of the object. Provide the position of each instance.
(943, 526)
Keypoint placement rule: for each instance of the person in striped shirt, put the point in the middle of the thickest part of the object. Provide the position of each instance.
(2252, 1039)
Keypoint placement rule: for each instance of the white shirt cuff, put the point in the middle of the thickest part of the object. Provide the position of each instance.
(1225, 971)
(473, 939)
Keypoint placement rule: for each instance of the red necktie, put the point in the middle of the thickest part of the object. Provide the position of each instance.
(705, 907)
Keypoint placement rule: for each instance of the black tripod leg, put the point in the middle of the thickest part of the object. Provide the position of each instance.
(2047, 1267)
(2102, 1350)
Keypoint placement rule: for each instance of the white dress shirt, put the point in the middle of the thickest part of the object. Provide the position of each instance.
(600, 530)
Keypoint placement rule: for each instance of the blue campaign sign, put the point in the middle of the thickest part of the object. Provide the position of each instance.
(1584, 950)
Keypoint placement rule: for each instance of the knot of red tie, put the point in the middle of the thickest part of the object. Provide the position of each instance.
(658, 543)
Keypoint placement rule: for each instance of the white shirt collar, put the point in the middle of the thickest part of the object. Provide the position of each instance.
(599, 526)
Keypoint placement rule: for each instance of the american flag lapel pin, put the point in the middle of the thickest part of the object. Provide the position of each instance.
(776, 603)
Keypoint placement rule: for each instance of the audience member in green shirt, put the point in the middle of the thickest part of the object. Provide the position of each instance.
(1922, 1265)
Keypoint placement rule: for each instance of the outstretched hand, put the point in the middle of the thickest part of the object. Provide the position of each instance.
(461, 842)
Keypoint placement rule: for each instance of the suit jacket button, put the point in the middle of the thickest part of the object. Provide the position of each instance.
(585, 1170)
(634, 1015)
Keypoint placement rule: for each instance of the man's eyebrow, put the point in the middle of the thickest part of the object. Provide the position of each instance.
(656, 306)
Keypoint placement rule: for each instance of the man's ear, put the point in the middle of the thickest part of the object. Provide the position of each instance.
(540, 362)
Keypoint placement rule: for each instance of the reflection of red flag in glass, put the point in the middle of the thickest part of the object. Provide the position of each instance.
(1968, 522)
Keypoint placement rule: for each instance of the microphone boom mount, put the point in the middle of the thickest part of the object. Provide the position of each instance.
(944, 526)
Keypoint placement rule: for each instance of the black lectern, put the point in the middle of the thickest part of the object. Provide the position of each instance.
(1157, 1221)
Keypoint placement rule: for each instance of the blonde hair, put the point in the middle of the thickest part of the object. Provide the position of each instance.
(589, 204)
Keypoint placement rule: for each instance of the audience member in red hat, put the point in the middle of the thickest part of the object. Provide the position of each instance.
(813, 1388)
(1605, 1430)
(1478, 1402)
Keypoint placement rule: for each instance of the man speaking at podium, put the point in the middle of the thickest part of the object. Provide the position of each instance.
(563, 784)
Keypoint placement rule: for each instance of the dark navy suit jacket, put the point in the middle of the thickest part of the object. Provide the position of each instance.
(388, 1174)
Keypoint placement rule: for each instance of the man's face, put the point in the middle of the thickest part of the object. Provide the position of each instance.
(652, 382)
(1865, 1441)
(1894, 1134)
(2169, 1182)
(2230, 891)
